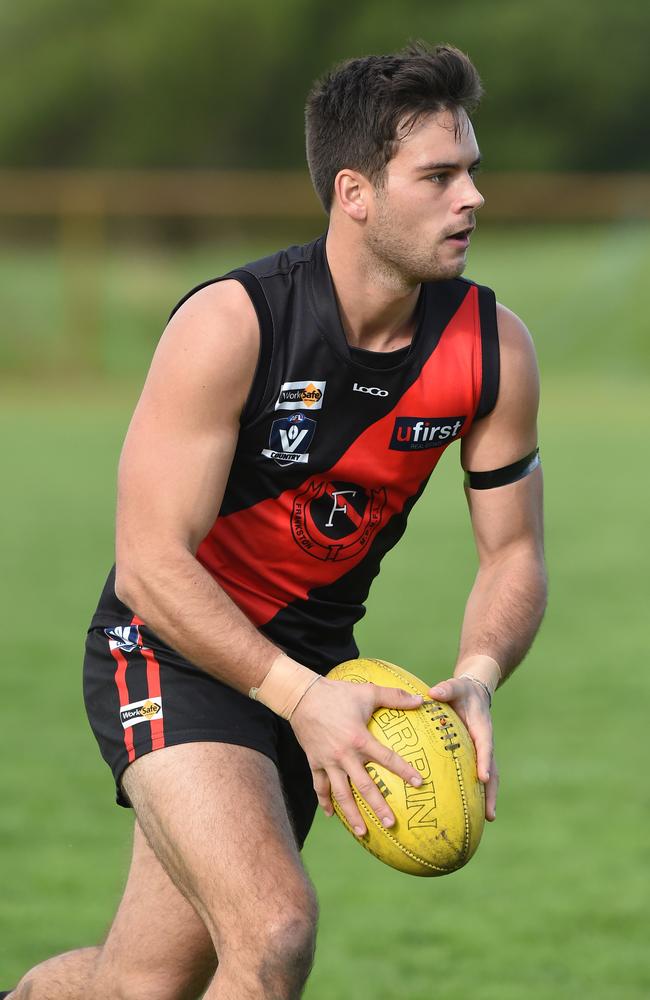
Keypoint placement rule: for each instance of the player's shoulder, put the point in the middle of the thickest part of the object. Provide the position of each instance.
(239, 295)
(211, 340)
(218, 301)
(214, 328)
(508, 431)
(513, 342)
(512, 328)
(285, 261)
(516, 346)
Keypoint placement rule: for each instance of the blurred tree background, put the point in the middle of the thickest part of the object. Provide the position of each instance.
(155, 83)
(135, 133)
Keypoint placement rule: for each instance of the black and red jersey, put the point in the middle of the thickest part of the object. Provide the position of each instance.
(335, 447)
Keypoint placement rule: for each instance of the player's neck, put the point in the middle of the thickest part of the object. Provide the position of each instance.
(377, 309)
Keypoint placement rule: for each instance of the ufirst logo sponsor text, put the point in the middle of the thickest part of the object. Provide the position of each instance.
(418, 433)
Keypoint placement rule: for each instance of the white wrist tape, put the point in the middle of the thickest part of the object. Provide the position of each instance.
(480, 668)
(285, 685)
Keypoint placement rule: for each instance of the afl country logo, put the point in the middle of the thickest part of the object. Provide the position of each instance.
(336, 520)
(290, 439)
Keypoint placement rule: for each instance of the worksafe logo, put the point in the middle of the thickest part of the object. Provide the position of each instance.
(290, 439)
(336, 520)
(141, 711)
(418, 433)
(307, 394)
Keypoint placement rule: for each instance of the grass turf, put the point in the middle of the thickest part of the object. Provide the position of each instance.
(554, 903)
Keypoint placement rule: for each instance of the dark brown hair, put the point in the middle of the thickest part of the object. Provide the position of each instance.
(353, 113)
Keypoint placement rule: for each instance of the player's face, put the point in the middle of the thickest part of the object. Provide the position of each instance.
(422, 215)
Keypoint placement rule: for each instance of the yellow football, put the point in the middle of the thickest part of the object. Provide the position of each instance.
(438, 826)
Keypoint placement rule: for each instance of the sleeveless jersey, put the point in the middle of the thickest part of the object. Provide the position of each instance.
(335, 447)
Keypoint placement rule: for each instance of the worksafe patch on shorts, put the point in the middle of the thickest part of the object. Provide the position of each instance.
(141, 711)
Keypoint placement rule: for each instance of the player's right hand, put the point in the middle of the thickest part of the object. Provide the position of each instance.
(473, 706)
(331, 725)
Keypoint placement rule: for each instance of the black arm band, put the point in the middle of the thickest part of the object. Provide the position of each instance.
(502, 477)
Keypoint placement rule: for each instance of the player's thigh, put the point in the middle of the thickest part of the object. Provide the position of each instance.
(157, 936)
(215, 815)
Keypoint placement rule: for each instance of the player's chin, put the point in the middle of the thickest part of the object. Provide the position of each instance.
(449, 264)
(449, 269)
(456, 261)
(457, 271)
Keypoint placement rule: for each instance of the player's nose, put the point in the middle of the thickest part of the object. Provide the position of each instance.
(475, 199)
(469, 197)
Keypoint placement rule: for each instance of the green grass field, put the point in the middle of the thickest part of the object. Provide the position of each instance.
(555, 903)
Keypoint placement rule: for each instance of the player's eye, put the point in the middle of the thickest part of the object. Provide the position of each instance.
(438, 178)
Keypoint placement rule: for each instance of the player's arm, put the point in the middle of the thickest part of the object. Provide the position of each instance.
(507, 600)
(173, 472)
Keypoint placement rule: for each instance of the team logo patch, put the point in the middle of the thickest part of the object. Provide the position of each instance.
(418, 433)
(336, 520)
(290, 439)
(307, 394)
(141, 711)
(124, 637)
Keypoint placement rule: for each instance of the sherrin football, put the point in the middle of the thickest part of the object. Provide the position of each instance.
(438, 826)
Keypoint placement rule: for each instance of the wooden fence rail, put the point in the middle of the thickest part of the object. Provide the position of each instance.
(249, 195)
(80, 204)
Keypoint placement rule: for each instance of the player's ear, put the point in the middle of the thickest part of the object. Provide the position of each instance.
(351, 193)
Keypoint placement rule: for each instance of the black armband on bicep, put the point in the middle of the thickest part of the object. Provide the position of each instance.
(503, 477)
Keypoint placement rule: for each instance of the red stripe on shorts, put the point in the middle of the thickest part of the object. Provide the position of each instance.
(123, 691)
(153, 687)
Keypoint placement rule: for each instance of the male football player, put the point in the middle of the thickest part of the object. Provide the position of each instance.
(293, 413)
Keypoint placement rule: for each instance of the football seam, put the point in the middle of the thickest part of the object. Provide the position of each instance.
(405, 850)
(386, 833)
(459, 776)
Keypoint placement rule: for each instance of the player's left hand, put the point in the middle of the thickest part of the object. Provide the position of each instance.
(470, 702)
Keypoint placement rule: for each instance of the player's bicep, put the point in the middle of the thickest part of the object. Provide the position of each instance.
(508, 518)
(501, 450)
(181, 440)
(509, 432)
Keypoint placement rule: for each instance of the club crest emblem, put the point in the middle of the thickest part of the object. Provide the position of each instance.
(336, 520)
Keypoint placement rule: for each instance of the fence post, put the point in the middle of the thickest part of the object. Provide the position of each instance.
(83, 244)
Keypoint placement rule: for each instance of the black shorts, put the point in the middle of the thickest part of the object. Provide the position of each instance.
(141, 696)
